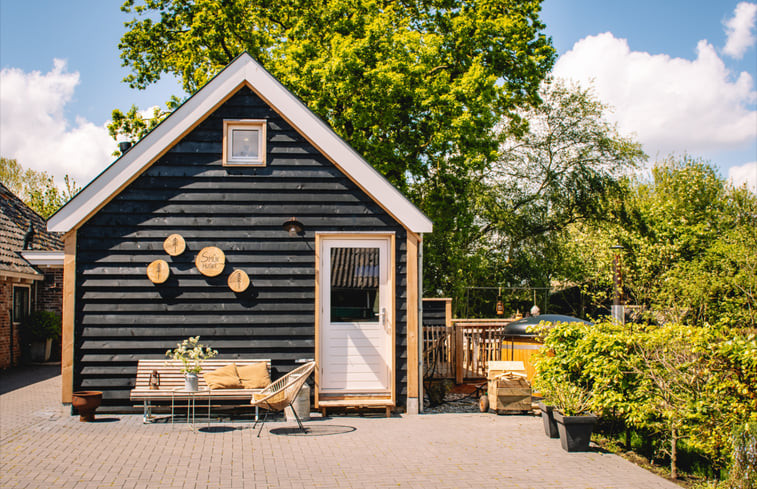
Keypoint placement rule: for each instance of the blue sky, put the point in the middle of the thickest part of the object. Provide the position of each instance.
(663, 65)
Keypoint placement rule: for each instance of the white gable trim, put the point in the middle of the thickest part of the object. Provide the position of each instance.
(242, 70)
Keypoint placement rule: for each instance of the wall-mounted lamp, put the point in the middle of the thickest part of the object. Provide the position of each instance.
(293, 226)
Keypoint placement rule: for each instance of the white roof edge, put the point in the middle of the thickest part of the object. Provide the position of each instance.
(22, 275)
(43, 257)
(244, 68)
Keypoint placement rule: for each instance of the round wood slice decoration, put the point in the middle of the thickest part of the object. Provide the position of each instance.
(239, 281)
(210, 261)
(158, 271)
(174, 245)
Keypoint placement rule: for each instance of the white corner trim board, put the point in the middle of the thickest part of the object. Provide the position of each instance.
(242, 70)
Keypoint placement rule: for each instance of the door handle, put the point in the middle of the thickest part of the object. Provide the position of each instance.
(382, 318)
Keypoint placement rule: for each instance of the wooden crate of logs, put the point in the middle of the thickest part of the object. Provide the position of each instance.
(509, 390)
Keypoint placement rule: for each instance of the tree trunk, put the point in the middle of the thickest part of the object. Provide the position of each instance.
(673, 453)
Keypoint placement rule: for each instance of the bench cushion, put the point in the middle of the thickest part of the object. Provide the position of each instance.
(225, 377)
(254, 376)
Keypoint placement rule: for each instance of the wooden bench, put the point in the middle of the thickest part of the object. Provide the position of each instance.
(172, 383)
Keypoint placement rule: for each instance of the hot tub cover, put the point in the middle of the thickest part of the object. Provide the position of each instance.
(519, 327)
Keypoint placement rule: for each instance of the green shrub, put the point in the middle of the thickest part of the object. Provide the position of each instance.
(687, 386)
(41, 325)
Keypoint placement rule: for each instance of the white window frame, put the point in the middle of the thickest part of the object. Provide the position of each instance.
(228, 128)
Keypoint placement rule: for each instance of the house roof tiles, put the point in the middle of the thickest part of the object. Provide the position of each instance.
(15, 219)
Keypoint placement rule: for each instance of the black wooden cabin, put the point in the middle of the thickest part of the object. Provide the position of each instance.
(182, 179)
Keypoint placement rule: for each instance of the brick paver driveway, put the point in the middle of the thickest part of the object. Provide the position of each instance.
(42, 446)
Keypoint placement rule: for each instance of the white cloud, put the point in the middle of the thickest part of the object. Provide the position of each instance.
(34, 130)
(744, 174)
(739, 30)
(671, 104)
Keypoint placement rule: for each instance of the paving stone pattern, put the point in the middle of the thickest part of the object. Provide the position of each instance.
(42, 446)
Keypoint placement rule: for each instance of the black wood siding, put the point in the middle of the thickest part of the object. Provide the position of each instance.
(434, 313)
(121, 316)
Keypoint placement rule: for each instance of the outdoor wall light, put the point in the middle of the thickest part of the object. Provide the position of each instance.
(294, 227)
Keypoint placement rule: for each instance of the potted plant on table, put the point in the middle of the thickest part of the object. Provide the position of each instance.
(574, 421)
(39, 329)
(192, 354)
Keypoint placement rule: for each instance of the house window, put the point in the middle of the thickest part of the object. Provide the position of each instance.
(244, 142)
(20, 303)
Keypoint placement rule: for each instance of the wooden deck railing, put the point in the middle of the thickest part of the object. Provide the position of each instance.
(462, 348)
(439, 352)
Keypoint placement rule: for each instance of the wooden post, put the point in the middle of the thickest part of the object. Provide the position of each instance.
(318, 366)
(412, 323)
(450, 337)
(458, 353)
(69, 311)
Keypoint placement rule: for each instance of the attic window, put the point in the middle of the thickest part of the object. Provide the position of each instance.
(244, 142)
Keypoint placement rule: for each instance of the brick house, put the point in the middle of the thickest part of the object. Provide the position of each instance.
(31, 271)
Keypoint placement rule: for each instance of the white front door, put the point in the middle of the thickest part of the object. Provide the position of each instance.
(355, 315)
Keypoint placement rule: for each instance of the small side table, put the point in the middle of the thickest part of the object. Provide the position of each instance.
(191, 397)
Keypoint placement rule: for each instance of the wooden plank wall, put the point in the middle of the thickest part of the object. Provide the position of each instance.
(435, 311)
(121, 316)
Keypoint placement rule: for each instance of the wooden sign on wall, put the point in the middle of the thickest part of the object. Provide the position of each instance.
(158, 271)
(174, 245)
(239, 281)
(210, 261)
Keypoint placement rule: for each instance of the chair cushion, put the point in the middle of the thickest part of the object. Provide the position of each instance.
(225, 377)
(254, 376)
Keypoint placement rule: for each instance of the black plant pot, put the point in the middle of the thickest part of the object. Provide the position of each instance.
(575, 431)
(550, 427)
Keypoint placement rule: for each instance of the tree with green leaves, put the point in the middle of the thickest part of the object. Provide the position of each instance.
(689, 239)
(561, 169)
(37, 189)
(135, 124)
(416, 86)
(411, 85)
(558, 163)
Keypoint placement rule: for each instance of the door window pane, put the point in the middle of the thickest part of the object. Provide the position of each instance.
(354, 284)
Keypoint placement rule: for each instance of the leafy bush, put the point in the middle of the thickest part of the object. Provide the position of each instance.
(41, 325)
(684, 385)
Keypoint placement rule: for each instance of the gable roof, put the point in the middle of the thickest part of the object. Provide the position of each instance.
(15, 219)
(244, 70)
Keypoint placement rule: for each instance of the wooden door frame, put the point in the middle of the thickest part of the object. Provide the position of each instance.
(319, 238)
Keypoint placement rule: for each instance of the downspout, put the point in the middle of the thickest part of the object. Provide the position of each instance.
(420, 324)
(10, 317)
